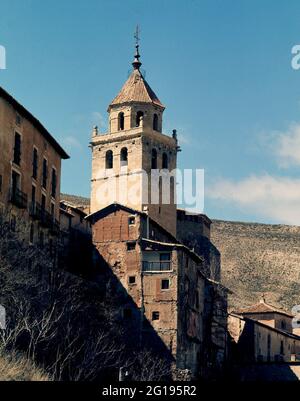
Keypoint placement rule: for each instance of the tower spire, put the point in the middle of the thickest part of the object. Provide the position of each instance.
(136, 62)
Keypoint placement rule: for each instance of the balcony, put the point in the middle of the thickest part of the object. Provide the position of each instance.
(156, 267)
(48, 221)
(18, 198)
(35, 210)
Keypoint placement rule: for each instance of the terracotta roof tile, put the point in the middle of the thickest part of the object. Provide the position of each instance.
(261, 307)
(136, 89)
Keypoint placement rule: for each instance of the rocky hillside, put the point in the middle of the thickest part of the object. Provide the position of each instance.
(257, 259)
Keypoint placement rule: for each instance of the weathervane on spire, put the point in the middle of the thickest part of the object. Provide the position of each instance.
(136, 62)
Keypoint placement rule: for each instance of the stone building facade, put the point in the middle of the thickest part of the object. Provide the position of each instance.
(162, 259)
(30, 170)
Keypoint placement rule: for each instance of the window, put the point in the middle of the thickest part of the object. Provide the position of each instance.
(15, 182)
(283, 325)
(13, 223)
(31, 233)
(33, 193)
(109, 159)
(165, 160)
(131, 220)
(18, 119)
(53, 210)
(155, 315)
(17, 149)
(165, 257)
(155, 122)
(139, 118)
(281, 348)
(127, 313)
(131, 280)
(45, 173)
(124, 157)
(130, 246)
(34, 163)
(121, 121)
(41, 239)
(154, 159)
(43, 202)
(165, 284)
(0, 183)
(53, 183)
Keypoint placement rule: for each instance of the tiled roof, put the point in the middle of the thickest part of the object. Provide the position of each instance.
(136, 89)
(261, 307)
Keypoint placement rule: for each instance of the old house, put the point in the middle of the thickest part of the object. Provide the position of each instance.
(262, 334)
(30, 170)
(170, 288)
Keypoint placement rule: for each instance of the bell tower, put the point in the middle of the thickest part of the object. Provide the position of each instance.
(134, 162)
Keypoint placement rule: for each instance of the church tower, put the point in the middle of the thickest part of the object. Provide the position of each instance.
(134, 162)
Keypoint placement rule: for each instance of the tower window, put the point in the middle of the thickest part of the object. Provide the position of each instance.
(165, 160)
(131, 280)
(155, 122)
(139, 117)
(154, 159)
(121, 121)
(131, 220)
(109, 159)
(165, 284)
(124, 157)
(131, 246)
(155, 315)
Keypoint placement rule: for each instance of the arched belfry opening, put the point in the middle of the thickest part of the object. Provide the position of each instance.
(165, 161)
(109, 159)
(139, 118)
(124, 157)
(121, 121)
(154, 159)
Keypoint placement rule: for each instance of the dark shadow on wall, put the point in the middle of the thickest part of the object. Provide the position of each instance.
(138, 332)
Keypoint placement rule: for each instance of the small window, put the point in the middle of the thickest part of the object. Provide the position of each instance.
(31, 233)
(45, 173)
(165, 163)
(17, 149)
(165, 284)
(127, 313)
(13, 223)
(154, 159)
(121, 121)
(34, 163)
(18, 119)
(131, 220)
(109, 159)
(131, 280)
(124, 157)
(53, 183)
(130, 246)
(155, 122)
(155, 315)
(139, 118)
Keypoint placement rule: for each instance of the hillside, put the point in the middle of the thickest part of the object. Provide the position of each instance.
(257, 259)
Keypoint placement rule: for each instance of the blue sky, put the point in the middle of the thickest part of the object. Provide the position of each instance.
(222, 68)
